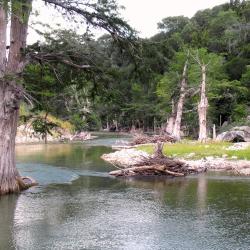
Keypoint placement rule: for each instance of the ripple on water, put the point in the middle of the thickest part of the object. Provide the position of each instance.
(47, 174)
(76, 208)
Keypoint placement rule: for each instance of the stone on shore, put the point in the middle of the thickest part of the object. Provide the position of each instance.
(236, 134)
(125, 157)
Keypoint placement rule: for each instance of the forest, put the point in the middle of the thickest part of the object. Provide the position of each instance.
(137, 83)
(118, 141)
(190, 80)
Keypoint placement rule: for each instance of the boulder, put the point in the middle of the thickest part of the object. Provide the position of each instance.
(245, 129)
(126, 157)
(236, 134)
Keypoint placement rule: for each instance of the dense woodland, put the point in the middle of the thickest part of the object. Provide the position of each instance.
(192, 74)
(137, 84)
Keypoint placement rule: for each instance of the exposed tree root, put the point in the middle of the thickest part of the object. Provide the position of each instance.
(26, 182)
(17, 185)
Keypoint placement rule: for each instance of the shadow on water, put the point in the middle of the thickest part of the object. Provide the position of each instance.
(7, 213)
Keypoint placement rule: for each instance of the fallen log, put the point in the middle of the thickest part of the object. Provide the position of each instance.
(146, 170)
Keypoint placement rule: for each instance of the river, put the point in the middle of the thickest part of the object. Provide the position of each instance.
(77, 205)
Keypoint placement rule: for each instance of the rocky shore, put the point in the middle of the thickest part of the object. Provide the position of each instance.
(126, 158)
(26, 134)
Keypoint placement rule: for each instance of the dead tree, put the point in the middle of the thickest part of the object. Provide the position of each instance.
(203, 104)
(180, 104)
(214, 132)
(171, 120)
(202, 107)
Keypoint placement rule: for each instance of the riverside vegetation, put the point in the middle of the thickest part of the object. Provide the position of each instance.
(191, 79)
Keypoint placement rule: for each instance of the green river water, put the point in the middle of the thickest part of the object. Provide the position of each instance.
(77, 205)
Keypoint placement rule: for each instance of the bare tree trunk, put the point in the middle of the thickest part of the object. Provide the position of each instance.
(202, 107)
(46, 129)
(171, 120)
(11, 91)
(214, 132)
(116, 125)
(154, 126)
(3, 35)
(179, 111)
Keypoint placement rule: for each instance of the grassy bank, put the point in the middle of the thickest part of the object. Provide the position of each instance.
(194, 150)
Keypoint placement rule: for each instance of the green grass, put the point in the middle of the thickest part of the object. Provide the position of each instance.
(200, 150)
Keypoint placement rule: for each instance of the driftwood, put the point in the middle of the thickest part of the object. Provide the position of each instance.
(145, 170)
(157, 164)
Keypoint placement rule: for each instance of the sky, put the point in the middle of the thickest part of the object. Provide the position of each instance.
(143, 15)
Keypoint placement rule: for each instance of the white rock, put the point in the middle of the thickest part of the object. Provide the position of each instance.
(125, 157)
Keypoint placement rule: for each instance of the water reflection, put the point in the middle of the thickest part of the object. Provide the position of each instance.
(7, 212)
(201, 195)
(95, 211)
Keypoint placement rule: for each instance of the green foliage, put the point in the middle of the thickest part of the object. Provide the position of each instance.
(133, 83)
(78, 122)
(236, 67)
(168, 86)
(172, 25)
(43, 127)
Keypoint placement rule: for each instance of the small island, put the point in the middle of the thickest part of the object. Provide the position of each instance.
(182, 158)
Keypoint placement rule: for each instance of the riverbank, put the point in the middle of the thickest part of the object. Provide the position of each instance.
(27, 135)
(200, 157)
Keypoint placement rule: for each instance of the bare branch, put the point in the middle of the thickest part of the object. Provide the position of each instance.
(193, 91)
(50, 57)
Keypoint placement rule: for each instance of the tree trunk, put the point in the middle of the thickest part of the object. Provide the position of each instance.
(154, 126)
(10, 180)
(11, 91)
(159, 150)
(214, 132)
(3, 34)
(18, 35)
(46, 129)
(171, 120)
(107, 124)
(179, 111)
(202, 108)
